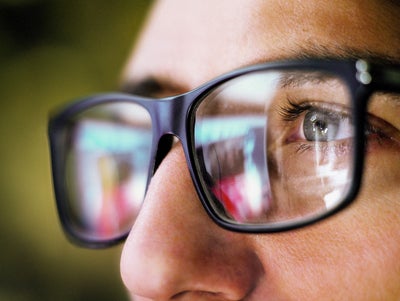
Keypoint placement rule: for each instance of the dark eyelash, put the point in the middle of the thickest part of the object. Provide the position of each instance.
(371, 129)
(291, 111)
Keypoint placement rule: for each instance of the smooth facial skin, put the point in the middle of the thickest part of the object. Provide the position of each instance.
(174, 250)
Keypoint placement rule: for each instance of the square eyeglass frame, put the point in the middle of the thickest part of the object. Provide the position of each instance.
(175, 116)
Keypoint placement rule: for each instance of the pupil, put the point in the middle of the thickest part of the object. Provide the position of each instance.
(319, 126)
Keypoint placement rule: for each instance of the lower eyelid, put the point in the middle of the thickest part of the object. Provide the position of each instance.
(340, 149)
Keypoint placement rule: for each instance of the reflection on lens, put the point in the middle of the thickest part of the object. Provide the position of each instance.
(107, 163)
(276, 146)
(234, 158)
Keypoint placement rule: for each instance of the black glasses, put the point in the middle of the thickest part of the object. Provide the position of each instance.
(270, 147)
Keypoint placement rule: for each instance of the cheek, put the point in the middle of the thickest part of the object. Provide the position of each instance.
(355, 257)
(355, 253)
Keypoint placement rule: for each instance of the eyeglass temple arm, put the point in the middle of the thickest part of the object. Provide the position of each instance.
(386, 78)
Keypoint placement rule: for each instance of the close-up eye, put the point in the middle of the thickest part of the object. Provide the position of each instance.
(324, 126)
(316, 122)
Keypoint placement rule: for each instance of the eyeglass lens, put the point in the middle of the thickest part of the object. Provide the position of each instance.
(107, 165)
(276, 146)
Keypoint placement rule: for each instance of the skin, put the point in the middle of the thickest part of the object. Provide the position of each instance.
(174, 250)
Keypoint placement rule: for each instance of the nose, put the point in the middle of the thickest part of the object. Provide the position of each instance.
(174, 250)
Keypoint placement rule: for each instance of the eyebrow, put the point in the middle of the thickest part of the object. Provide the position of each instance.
(147, 87)
(342, 53)
(152, 86)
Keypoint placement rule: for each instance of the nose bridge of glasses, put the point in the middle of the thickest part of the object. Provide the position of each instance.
(169, 120)
(170, 117)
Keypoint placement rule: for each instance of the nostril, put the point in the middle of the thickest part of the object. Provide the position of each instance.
(201, 295)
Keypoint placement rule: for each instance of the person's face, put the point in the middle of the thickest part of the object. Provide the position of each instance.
(174, 250)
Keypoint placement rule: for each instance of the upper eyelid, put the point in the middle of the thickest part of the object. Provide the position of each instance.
(291, 110)
(158, 87)
(385, 106)
(389, 97)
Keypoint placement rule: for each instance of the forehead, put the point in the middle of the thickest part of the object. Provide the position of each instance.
(190, 42)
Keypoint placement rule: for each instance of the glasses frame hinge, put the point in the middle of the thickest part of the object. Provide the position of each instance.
(363, 75)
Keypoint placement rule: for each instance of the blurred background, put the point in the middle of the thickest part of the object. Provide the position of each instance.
(52, 51)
